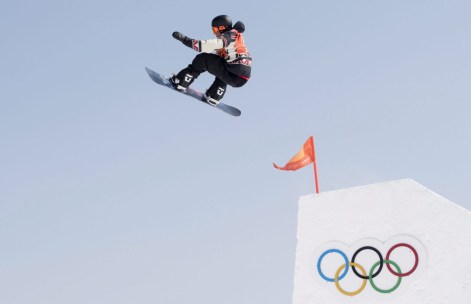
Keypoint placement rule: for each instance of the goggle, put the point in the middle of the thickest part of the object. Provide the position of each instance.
(217, 30)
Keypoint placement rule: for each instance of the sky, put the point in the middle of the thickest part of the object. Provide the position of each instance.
(116, 190)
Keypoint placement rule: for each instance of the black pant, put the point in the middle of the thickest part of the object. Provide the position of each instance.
(216, 66)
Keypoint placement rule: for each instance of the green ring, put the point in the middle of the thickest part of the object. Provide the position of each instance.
(370, 277)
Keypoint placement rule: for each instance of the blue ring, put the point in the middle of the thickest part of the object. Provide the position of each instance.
(320, 261)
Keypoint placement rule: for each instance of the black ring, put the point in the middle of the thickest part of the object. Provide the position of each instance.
(380, 262)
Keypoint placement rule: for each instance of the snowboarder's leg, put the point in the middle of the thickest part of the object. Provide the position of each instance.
(216, 66)
(213, 64)
(184, 78)
(215, 92)
(200, 64)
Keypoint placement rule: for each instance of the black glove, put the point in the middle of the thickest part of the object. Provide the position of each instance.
(184, 39)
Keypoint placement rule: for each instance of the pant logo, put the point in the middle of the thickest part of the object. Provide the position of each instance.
(188, 77)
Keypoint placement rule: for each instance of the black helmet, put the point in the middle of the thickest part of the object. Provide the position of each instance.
(222, 23)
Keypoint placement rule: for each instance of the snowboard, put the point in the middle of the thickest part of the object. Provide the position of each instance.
(163, 80)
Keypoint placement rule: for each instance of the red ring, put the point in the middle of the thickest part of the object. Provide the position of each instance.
(415, 264)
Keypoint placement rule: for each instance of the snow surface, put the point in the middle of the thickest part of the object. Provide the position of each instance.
(381, 215)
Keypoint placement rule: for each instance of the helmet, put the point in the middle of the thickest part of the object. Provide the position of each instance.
(221, 24)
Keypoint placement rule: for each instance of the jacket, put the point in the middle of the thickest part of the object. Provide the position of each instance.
(230, 45)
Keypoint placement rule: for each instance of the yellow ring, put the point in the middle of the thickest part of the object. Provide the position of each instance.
(350, 293)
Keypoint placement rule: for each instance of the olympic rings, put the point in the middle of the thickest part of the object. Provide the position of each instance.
(416, 263)
(320, 261)
(399, 278)
(380, 261)
(350, 293)
(372, 274)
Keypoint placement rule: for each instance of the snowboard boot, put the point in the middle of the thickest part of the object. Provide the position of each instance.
(182, 80)
(215, 93)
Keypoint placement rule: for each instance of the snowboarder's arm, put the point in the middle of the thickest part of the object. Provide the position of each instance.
(203, 46)
(191, 43)
(210, 45)
(213, 45)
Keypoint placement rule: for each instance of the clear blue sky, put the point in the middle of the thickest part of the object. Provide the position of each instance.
(116, 190)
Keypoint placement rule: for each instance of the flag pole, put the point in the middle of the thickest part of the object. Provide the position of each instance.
(315, 166)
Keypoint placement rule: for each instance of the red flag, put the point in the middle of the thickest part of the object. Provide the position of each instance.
(303, 158)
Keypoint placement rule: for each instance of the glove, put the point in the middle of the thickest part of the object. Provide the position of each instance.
(184, 39)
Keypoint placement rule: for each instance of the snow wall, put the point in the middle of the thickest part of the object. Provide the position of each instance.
(402, 242)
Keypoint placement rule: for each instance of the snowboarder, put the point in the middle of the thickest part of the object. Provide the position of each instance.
(225, 57)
